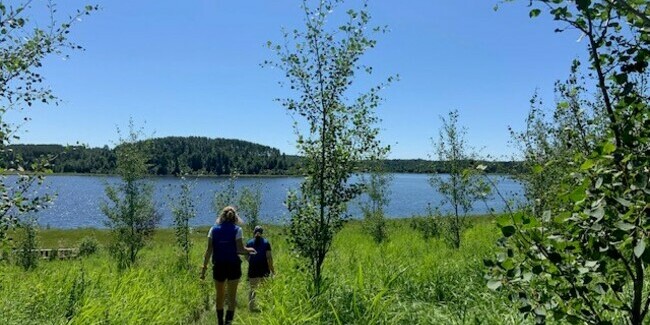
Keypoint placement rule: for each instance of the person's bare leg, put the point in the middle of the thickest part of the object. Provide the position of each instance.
(232, 300)
(221, 297)
(254, 283)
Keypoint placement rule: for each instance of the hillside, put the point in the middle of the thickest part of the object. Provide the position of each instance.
(206, 156)
(168, 156)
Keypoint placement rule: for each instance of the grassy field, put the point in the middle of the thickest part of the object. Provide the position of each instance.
(407, 280)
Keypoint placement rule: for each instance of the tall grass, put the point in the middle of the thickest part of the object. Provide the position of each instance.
(406, 280)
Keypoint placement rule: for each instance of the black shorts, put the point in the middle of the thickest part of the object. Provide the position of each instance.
(258, 272)
(226, 271)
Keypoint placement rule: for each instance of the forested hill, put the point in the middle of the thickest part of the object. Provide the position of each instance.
(201, 155)
(205, 156)
(168, 156)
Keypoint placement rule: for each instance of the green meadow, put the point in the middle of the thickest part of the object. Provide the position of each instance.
(407, 280)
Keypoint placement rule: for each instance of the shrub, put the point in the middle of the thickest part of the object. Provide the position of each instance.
(27, 255)
(132, 215)
(183, 210)
(377, 189)
(340, 132)
(250, 204)
(462, 186)
(429, 226)
(88, 246)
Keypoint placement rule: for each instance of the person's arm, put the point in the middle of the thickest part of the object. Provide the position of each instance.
(239, 241)
(248, 257)
(206, 258)
(269, 259)
(242, 250)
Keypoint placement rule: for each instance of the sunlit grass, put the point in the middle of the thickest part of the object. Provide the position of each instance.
(406, 280)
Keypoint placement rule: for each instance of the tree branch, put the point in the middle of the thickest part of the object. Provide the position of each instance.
(593, 47)
(624, 6)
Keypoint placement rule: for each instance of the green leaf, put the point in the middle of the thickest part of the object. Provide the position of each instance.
(599, 183)
(639, 248)
(620, 78)
(508, 231)
(608, 148)
(578, 194)
(527, 276)
(508, 264)
(588, 164)
(624, 202)
(494, 284)
(599, 213)
(583, 4)
(534, 13)
(624, 226)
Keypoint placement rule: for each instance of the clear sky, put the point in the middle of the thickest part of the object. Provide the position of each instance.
(193, 68)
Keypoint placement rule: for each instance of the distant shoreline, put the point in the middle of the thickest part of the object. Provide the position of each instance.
(152, 176)
(200, 228)
(217, 176)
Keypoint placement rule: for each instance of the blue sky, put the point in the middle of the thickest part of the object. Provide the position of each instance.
(193, 68)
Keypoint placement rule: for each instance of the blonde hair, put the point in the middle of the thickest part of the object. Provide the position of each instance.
(229, 214)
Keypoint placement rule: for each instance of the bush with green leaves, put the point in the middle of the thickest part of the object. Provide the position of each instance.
(579, 254)
(377, 190)
(250, 204)
(24, 46)
(132, 216)
(227, 195)
(462, 186)
(184, 210)
(247, 199)
(88, 246)
(340, 133)
(27, 255)
(430, 225)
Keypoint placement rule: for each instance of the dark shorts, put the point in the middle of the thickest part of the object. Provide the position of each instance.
(226, 271)
(258, 272)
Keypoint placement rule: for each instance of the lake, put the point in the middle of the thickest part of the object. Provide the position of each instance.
(78, 198)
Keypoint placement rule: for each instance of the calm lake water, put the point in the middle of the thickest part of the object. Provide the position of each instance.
(79, 198)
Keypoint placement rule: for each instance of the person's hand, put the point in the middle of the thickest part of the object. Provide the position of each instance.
(251, 250)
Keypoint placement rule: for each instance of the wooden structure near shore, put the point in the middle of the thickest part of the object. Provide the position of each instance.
(58, 253)
(55, 253)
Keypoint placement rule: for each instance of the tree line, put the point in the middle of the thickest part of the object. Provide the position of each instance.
(208, 156)
(165, 156)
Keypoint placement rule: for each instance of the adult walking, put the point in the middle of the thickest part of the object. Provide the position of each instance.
(225, 242)
(260, 265)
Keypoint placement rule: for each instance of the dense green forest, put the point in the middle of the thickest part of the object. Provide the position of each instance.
(167, 156)
(422, 166)
(204, 156)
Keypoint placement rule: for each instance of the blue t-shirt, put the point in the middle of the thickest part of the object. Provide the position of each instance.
(224, 242)
(258, 262)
